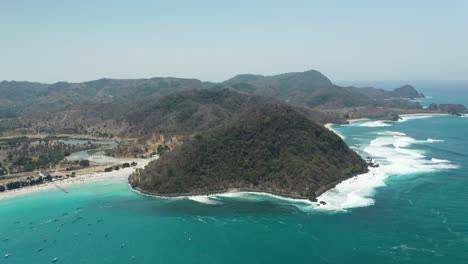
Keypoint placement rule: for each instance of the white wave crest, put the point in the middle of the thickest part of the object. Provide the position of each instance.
(375, 124)
(404, 118)
(391, 133)
(352, 193)
(440, 160)
(205, 199)
(430, 140)
(391, 150)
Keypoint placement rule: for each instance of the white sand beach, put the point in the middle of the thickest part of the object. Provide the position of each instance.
(121, 174)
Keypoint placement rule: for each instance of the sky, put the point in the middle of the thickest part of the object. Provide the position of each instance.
(213, 40)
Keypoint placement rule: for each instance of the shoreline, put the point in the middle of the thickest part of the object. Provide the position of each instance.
(121, 174)
(94, 177)
(218, 193)
(329, 126)
(125, 173)
(400, 115)
(283, 196)
(359, 119)
(327, 196)
(425, 114)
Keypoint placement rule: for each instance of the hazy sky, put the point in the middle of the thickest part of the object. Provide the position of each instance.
(51, 41)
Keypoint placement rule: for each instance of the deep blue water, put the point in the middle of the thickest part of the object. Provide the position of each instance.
(439, 92)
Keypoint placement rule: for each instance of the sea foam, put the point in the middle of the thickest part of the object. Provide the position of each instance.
(205, 199)
(430, 140)
(375, 124)
(392, 151)
(405, 118)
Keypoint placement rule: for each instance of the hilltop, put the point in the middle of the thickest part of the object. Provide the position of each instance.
(178, 106)
(177, 114)
(271, 148)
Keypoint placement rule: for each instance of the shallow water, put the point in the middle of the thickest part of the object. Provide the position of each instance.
(415, 213)
(419, 216)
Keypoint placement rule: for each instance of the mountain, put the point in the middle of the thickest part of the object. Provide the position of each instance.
(312, 89)
(33, 97)
(116, 106)
(295, 87)
(453, 109)
(306, 89)
(271, 148)
(406, 91)
(177, 114)
(187, 112)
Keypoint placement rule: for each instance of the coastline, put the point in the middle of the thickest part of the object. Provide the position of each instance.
(424, 114)
(124, 174)
(121, 174)
(240, 191)
(218, 193)
(326, 195)
(342, 188)
(65, 183)
(359, 119)
(329, 126)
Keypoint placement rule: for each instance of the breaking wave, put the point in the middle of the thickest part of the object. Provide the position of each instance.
(430, 140)
(405, 118)
(375, 124)
(392, 151)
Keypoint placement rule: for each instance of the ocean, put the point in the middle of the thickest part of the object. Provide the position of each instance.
(412, 209)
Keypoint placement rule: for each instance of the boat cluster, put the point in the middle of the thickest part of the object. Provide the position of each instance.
(76, 219)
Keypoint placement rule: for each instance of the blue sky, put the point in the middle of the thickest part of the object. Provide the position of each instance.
(51, 41)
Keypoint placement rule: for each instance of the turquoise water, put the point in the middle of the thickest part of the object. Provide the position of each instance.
(418, 217)
(419, 214)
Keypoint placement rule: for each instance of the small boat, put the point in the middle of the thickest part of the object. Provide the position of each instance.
(122, 246)
(55, 260)
(133, 257)
(7, 255)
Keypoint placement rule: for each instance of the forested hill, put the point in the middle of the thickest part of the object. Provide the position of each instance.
(314, 90)
(271, 148)
(109, 107)
(306, 89)
(187, 112)
(180, 113)
(33, 97)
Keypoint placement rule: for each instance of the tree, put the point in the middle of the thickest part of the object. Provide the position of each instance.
(84, 163)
